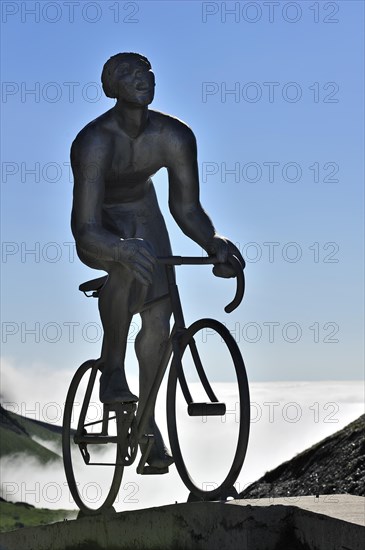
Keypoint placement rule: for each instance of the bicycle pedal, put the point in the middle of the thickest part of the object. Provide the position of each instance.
(152, 470)
(207, 409)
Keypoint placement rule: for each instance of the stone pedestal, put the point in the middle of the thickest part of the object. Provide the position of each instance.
(296, 523)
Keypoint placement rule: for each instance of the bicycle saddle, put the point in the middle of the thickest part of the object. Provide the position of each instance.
(94, 286)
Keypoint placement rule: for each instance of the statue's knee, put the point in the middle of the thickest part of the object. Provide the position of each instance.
(119, 275)
(116, 269)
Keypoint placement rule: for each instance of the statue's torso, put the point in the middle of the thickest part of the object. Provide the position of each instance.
(130, 208)
(126, 164)
(131, 161)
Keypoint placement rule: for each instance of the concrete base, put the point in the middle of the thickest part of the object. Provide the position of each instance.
(301, 523)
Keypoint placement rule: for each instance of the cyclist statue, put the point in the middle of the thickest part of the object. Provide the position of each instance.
(118, 226)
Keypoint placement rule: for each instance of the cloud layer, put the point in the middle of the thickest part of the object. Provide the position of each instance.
(286, 418)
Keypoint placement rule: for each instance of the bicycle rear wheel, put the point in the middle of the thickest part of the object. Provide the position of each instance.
(204, 439)
(94, 487)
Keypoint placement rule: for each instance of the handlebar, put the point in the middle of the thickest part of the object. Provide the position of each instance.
(212, 260)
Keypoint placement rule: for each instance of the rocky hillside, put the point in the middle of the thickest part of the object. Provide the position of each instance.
(334, 465)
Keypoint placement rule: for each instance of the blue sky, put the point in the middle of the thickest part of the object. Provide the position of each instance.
(293, 131)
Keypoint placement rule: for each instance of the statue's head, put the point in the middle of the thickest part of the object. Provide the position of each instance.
(128, 77)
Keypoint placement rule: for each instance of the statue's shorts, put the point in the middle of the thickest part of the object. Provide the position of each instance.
(138, 219)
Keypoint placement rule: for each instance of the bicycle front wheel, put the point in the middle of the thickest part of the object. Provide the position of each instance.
(94, 485)
(202, 445)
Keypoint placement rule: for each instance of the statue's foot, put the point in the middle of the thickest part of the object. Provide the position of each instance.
(159, 456)
(114, 388)
(112, 396)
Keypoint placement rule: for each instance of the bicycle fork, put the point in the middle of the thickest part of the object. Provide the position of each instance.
(214, 407)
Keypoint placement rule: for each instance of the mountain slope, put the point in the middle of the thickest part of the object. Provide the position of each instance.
(17, 435)
(20, 514)
(334, 465)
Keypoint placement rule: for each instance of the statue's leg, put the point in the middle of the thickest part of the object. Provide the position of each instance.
(116, 319)
(150, 346)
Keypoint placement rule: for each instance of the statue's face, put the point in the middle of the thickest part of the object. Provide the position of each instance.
(134, 82)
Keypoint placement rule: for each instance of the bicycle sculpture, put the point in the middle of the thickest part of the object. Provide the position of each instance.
(118, 228)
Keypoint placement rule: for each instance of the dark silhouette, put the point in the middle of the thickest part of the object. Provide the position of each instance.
(118, 226)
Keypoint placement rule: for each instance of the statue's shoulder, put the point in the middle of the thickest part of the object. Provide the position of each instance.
(172, 126)
(95, 132)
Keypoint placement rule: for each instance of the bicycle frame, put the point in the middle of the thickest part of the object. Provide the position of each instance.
(172, 346)
(127, 410)
(130, 428)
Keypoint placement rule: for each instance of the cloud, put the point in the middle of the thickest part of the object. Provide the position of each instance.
(287, 417)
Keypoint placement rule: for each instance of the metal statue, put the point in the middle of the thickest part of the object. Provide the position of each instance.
(118, 226)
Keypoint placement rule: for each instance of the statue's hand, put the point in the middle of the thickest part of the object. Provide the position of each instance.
(138, 256)
(223, 248)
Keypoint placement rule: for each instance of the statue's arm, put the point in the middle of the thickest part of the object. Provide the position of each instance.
(185, 204)
(89, 158)
(184, 201)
